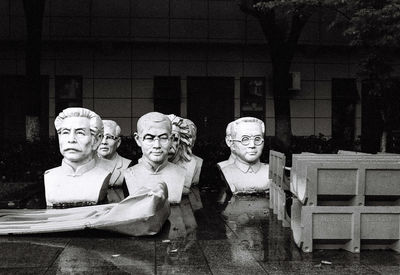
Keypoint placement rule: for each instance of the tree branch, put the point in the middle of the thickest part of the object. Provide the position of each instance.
(246, 6)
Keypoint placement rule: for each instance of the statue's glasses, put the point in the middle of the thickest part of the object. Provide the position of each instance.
(110, 137)
(150, 139)
(258, 140)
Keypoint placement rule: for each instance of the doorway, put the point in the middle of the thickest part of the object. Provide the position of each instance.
(210, 104)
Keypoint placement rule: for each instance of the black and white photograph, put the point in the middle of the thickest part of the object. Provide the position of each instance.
(200, 137)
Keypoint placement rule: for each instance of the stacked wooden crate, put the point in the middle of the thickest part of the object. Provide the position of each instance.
(277, 193)
(348, 201)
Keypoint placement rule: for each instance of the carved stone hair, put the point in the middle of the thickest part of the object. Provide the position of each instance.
(96, 124)
(184, 147)
(235, 123)
(193, 131)
(153, 117)
(114, 125)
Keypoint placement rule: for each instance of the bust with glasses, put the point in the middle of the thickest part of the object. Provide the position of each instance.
(108, 151)
(246, 174)
(154, 138)
(228, 141)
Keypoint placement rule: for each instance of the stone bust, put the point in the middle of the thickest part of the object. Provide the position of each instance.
(247, 174)
(78, 181)
(108, 150)
(154, 138)
(181, 149)
(228, 141)
(192, 140)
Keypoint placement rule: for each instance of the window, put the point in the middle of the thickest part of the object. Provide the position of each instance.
(344, 99)
(167, 94)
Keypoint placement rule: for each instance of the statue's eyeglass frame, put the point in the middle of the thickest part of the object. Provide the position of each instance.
(150, 139)
(109, 137)
(258, 140)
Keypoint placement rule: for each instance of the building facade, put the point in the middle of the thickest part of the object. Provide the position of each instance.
(201, 59)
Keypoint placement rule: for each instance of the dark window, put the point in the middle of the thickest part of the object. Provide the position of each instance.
(15, 102)
(344, 99)
(167, 94)
(210, 105)
(68, 92)
(380, 112)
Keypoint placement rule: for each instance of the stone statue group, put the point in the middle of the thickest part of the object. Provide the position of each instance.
(92, 172)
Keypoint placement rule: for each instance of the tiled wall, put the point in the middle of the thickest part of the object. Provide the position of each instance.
(118, 78)
(151, 20)
(119, 46)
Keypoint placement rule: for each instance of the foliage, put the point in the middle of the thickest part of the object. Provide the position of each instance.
(374, 26)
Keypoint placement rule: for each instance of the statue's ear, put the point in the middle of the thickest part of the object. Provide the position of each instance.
(228, 141)
(96, 140)
(137, 139)
(119, 142)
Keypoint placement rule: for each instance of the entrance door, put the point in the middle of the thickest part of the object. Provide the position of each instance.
(372, 124)
(13, 98)
(12, 120)
(210, 105)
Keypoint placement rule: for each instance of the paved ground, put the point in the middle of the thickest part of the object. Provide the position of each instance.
(242, 238)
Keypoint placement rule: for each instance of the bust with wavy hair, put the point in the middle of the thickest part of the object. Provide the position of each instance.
(181, 149)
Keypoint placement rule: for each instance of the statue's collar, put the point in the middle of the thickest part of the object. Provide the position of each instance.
(149, 166)
(80, 170)
(246, 167)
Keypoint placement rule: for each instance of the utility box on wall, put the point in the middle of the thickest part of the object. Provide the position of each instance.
(252, 97)
(295, 81)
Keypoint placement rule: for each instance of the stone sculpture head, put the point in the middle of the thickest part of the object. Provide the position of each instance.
(79, 133)
(193, 132)
(153, 136)
(111, 140)
(181, 142)
(247, 139)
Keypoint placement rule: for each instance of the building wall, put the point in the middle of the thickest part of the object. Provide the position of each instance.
(119, 46)
(118, 78)
(151, 20)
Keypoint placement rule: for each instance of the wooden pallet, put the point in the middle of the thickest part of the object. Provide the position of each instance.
(347, 179)
(352, 228)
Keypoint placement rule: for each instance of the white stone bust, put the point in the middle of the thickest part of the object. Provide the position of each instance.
(108, 151)
(78, 181)
(192, 141)
(247, 174)
(154, 137)
(228, 141)
(181, 150)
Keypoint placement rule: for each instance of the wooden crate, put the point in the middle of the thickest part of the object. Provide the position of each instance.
(346, 179)
(277, 162)
(352, 228)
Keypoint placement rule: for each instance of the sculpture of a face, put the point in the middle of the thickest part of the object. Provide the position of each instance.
(193, 132)
(248, 131)
(76, 141)
(155, 141)
(175, 142)
(110, 142)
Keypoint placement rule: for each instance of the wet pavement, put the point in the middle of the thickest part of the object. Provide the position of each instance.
(201, 237)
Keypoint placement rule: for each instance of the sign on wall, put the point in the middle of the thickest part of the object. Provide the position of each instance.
(68, 92)
(252, 97)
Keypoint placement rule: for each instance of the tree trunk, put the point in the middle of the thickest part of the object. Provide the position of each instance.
(283, 132)
(383, 143)
(34, 16)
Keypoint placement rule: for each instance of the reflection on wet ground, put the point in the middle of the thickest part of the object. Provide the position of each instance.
(201, 237)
